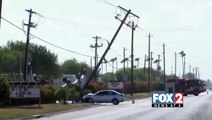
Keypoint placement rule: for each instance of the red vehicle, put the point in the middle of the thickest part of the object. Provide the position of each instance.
(186, 86)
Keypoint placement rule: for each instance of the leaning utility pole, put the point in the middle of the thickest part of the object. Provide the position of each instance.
(29, 25)
(164, 67)
(96, 55)
(107, 49)
(149, 59)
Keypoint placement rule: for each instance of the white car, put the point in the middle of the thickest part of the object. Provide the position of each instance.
(105, 96)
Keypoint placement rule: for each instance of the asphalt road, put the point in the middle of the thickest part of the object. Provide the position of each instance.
(195, 108)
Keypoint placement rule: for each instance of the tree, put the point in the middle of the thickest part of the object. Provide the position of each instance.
(107, 76)
(4, 91)
(43, 61)
(72, 66)
(9, 61)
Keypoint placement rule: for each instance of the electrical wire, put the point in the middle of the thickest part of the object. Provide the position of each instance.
(85, 55)
(106, 2)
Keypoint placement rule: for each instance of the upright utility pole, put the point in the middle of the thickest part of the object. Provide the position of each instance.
(196, 72)
(157, 61)
(132, 57)
(137, 59)
(175, 68)
(144, 68)
(96, 54)
(91, 62)
(164, 67)
(112, 60)
(149, 59)
(132, 25)
(183, 62)
(124, 60)
(105, 61)
(151, 76)
(29, 25)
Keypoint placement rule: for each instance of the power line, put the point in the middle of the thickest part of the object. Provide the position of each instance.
(106, 2)
(47, 41)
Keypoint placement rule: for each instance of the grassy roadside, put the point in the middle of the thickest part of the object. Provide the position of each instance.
(138, 96)
(28, 111)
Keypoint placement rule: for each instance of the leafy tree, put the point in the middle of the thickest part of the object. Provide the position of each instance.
(72, 66)
(4, 91)
(43, 61)
(9, 61)
(107, 76)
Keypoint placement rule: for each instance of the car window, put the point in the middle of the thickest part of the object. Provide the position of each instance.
(103, 93)
(113, 93)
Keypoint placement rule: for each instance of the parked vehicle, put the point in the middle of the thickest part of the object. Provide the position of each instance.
(105, 96)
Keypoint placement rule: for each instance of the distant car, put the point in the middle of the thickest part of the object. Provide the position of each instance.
(105, 96)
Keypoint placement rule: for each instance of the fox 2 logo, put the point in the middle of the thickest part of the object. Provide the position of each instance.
(167, 100)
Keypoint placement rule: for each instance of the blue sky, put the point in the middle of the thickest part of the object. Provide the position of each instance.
(180, 24)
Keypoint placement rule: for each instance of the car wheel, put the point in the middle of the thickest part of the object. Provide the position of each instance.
(90, 100)
(185, 94)
(115, 102)
(196, 94)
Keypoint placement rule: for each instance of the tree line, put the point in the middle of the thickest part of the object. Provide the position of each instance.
(45, 63)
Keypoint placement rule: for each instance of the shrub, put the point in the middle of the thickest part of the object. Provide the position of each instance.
(73, 95)
(100, 86)
(4, 92)
(86, 91)
(61, 94)
(47, 94)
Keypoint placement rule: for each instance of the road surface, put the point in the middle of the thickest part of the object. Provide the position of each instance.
(195, 108)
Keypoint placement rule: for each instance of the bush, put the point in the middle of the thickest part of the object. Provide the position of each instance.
(4, 92)
(61, 94)
(47, 94)
(73, 95)
(139, 86)
(86, 91)
(67, 93)
(94, 87)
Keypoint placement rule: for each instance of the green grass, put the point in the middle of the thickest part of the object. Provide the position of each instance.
(28, 111)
